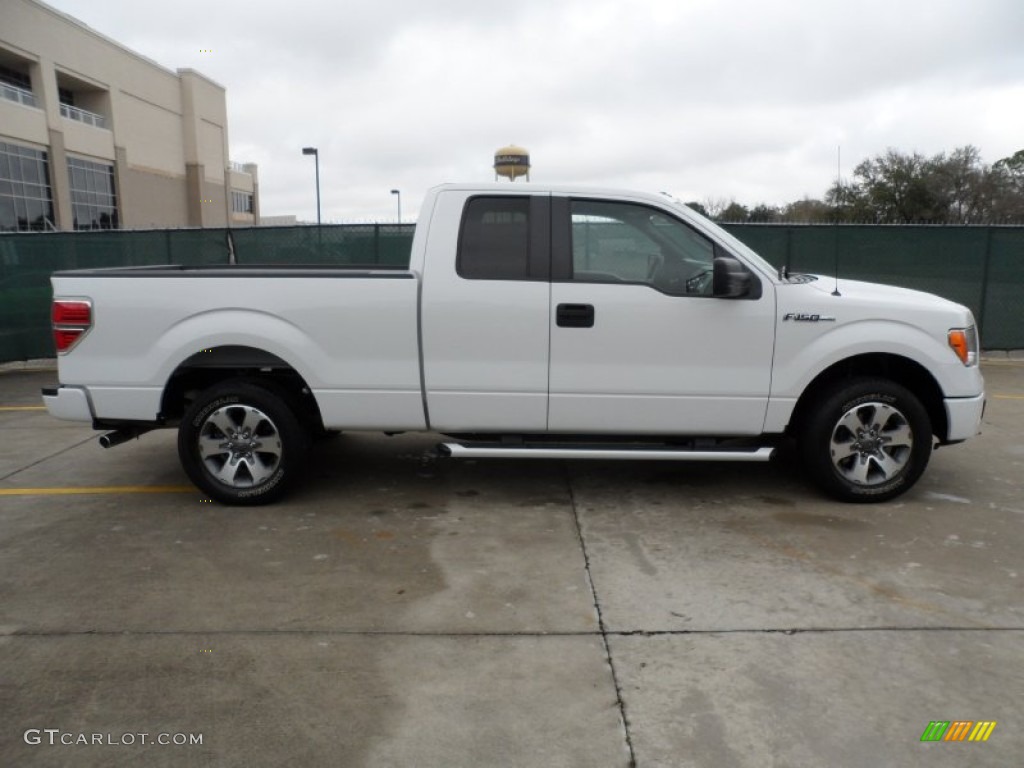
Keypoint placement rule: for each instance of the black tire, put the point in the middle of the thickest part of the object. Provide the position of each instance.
(865, 440)
(221, 436)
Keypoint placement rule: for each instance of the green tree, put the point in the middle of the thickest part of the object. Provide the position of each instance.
(954, 188)
(699, 208)
(764, 214)
(898, 189)
(1013, 168)
(1007, 175)
(734, 212)
(808, 211)
(848, 202)
(964, 184)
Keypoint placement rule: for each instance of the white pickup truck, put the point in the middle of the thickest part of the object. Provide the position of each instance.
(532, 321)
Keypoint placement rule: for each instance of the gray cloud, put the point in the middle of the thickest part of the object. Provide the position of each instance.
(704, 99)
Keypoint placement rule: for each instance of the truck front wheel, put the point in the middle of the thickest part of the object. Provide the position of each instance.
(241, 443)
(866, 440)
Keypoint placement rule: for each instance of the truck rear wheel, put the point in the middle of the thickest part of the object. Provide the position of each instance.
(866, 440)
(241, 443)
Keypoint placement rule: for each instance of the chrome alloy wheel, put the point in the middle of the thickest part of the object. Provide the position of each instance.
(871, 443)
(240, 446)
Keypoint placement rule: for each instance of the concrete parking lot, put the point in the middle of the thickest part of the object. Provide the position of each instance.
(402, 612)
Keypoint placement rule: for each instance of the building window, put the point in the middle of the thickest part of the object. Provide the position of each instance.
(93, 197)
(82, 102)
(16, 86)
(15, 78)
(26, 202)
(241, 202)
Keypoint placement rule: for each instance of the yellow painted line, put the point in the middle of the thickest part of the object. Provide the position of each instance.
(97, 490)
(22, 407)
(1008, 397)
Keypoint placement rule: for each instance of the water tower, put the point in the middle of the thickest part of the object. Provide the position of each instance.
(511, 162)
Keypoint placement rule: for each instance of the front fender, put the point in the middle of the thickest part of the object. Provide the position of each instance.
(803, 351)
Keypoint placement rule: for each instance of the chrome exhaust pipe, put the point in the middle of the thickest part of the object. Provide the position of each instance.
(119, 436)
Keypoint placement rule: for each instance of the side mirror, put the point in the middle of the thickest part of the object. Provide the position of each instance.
(731, 280)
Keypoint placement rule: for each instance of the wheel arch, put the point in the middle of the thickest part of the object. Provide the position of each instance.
(213, 365)
(897, 368)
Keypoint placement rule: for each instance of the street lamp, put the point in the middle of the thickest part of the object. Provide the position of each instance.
(316, 156)
(399, 193)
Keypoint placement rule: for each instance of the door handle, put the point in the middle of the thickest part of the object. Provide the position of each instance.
(575, 315)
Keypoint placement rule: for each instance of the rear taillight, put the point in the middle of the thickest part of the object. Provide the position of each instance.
(71, 319)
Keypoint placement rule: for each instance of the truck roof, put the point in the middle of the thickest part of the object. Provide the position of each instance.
(530, 187)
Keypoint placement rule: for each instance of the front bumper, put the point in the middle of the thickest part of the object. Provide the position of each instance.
(963, 415)
(71, 403)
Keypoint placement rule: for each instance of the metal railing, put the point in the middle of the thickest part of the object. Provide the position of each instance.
(20, 95)
(83, 116)
(237, 167)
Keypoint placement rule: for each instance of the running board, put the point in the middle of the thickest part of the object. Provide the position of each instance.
(492, 451)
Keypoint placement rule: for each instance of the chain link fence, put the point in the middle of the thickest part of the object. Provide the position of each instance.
(981, 267)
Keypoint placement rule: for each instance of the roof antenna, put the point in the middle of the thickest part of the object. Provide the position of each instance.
(839, 207)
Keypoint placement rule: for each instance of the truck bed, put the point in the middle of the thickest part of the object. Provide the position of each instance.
(349, 332)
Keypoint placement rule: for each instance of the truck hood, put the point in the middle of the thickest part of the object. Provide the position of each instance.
(859, 300)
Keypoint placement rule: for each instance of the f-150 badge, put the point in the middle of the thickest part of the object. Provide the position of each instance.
(802, 317)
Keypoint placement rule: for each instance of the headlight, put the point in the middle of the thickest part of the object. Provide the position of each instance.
(964, 342)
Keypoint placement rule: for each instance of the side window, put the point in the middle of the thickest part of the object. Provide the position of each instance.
(630, 243)
(494, 243)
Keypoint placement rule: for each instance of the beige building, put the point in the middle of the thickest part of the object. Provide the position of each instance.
(96, 136)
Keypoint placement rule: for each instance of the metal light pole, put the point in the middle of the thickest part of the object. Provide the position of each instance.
(316, 156)
(399, 193)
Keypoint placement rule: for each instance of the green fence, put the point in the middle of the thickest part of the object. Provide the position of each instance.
(367, 244)
(982, 267)
(28, 259)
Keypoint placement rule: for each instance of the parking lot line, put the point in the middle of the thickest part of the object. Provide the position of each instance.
(1008, 397)
(114, 489)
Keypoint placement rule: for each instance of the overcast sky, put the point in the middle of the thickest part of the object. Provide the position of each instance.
(705, 99)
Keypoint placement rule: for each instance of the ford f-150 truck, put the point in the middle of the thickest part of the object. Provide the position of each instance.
(531, 321)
